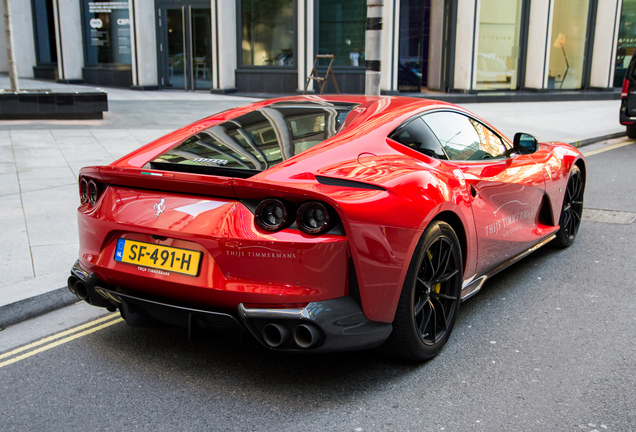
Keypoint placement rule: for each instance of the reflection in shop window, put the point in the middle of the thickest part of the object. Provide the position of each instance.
(256, 140)
(626, 41)
(567, 44)
(267, 32)
(106, 32)
(497, 60)
(490, 142)
(341, 30)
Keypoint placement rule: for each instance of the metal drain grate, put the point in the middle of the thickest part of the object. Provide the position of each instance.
(608, 216)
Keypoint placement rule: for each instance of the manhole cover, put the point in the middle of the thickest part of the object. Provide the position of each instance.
(608, 216)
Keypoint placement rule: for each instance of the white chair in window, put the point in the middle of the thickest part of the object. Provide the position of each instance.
(200, 67)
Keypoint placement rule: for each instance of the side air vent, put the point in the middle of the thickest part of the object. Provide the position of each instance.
(347, 183)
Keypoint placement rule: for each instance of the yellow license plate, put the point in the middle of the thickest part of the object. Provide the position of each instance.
(166, 258)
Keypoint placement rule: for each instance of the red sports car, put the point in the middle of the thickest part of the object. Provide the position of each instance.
(321, 223)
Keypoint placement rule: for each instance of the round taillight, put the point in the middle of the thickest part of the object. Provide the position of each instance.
(93, 192)
(83, 184)
(313, 218)
(271, 214)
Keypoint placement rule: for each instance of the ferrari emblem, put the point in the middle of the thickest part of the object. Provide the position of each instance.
(159, 207)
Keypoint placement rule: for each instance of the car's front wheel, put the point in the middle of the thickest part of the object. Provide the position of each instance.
(572, 209)
(430, 296)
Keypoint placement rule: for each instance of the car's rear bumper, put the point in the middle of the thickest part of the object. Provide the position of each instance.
(624, 118)
(238, 262)
(322, 326)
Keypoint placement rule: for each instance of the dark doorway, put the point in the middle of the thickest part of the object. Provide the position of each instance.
(185, 46)
(415, 18)
(45, 46)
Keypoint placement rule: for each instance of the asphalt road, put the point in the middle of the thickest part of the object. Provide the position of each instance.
(547, 345)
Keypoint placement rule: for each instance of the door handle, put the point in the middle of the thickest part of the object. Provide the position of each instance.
(473, 191)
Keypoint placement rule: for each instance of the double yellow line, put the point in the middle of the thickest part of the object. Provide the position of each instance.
(608, 148)
(57, 339)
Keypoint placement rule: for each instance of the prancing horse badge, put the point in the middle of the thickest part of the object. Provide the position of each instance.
(159, 207)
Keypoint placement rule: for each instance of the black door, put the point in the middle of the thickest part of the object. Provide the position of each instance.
(414, 41)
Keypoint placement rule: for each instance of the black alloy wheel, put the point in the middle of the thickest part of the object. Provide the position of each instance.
(572, 210)
(430, 297)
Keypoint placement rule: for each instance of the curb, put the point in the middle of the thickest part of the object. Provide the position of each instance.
(583, 143)
(35, 306)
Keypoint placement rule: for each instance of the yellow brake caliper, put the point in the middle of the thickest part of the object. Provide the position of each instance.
(438, 287)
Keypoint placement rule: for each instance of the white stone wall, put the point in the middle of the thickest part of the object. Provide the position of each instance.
(536, 68)
(23, 39)
(465, 31)
(70, 48)
(305, 43)
(144, 46)
(605, 37)
(390, 45)
(224, 44)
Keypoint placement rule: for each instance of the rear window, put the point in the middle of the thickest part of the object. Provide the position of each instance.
(255, 141)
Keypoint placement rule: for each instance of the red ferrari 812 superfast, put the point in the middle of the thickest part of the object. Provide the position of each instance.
(321, 223)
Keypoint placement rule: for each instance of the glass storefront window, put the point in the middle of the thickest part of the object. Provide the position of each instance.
(267, 32)
(497, 59)
(46, 49)
(568, 43)
(626, 41)
(106, 32)
(186, 40)
(341, 30)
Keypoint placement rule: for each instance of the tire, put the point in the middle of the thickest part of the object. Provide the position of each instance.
(631, 131)
(430, 297)
(572, 210)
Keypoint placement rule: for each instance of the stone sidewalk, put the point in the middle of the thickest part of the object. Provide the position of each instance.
(40, 162)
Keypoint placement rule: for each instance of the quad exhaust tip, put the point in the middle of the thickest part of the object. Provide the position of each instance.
(77, 287)
(72, 280)
(306, 335)
(276, 335)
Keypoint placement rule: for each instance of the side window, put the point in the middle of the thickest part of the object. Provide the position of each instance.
(417, 135)
(465, 138)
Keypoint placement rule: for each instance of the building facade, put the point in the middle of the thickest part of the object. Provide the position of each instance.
(454, 46)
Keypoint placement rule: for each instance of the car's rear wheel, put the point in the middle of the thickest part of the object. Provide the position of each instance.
(430, 296)
(572, 209)
(631, 131)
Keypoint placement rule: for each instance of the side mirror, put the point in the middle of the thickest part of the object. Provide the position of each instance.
(525, 143)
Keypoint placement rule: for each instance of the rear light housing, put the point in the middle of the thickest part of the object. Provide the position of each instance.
(314, 217)
(272, 214)
(625, 90)
(311, 217)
